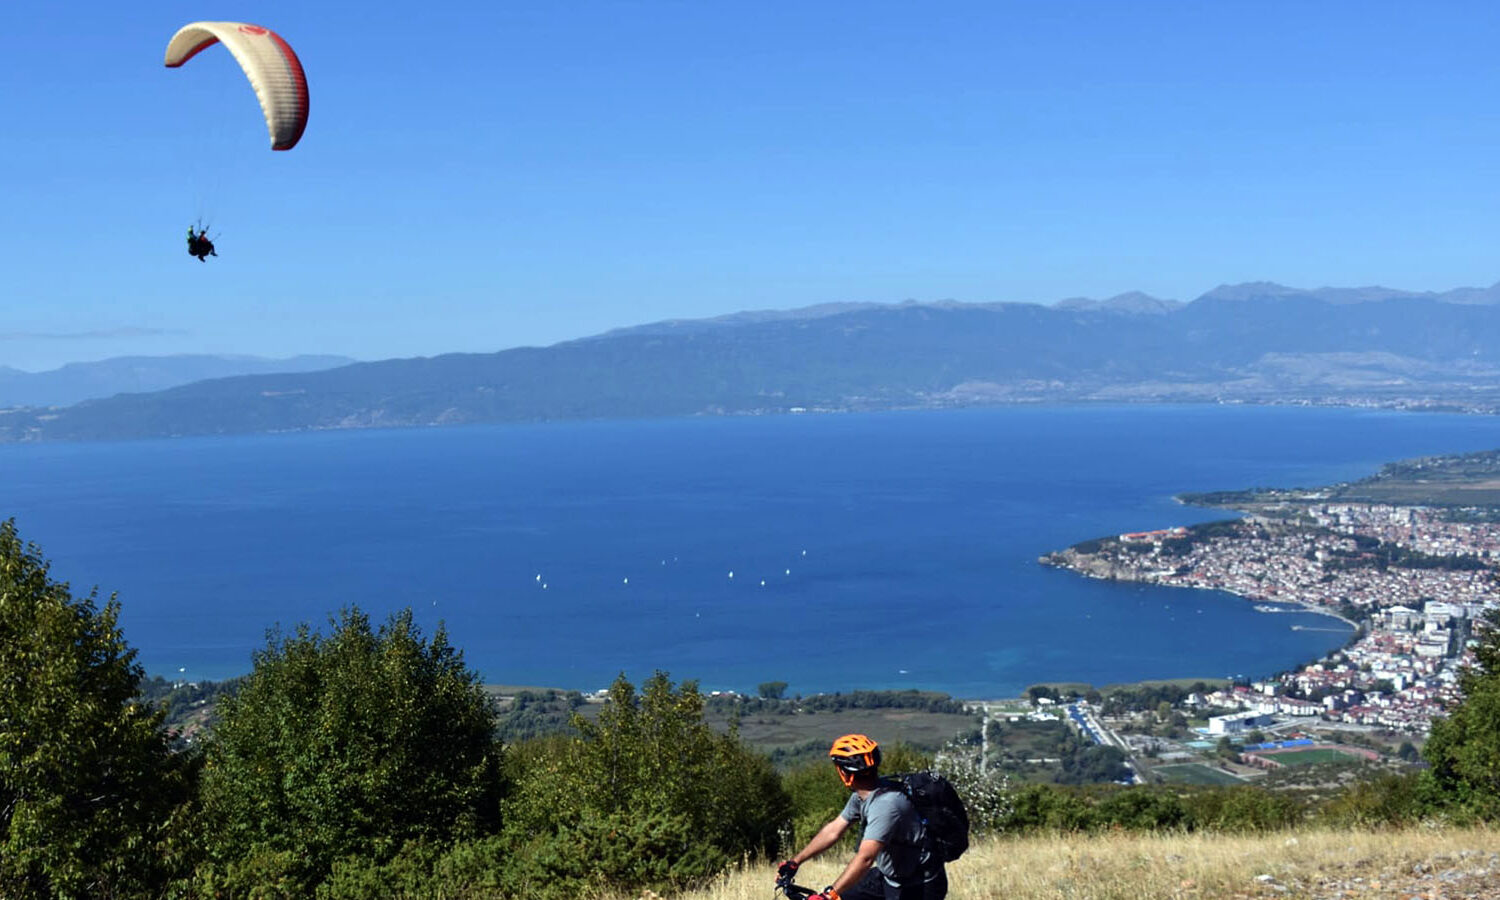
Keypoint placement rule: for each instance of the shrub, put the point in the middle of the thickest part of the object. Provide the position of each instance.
(647, 771)
(1390, 799)
(1241, 809)
(816, 795)
(1142, 809)
(350, 745)
(1037, 807)
(986, 793)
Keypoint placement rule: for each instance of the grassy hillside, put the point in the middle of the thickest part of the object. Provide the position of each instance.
(1417, 862)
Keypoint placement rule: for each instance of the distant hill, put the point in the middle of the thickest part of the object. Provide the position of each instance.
(1254, 343)
(1133, 302)
(1266, 290)
(76, 382)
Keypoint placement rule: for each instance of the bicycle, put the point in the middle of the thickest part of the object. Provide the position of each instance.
(794, 891)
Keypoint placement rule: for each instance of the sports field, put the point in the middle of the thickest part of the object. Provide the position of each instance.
(1195, 773)
(1314, 755)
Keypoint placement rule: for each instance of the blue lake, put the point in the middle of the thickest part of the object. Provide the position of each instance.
(896, 549)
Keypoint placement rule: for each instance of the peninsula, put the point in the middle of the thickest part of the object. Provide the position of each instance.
(1409, 557)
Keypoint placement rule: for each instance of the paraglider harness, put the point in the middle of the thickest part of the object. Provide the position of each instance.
(198, 243)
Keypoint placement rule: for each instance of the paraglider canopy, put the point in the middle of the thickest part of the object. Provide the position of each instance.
(273, 69)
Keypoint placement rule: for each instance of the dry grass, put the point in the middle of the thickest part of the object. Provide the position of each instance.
(1419, 862)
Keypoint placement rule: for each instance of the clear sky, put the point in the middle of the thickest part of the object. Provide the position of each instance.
(482, 175)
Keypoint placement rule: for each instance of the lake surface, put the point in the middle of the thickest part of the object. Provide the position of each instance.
(868, 551)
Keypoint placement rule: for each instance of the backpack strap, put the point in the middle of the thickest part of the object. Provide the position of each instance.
(896, 783)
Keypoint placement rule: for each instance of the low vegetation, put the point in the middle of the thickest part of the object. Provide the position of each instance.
(365, 762)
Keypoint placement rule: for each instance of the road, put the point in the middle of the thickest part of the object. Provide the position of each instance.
(1082, 716)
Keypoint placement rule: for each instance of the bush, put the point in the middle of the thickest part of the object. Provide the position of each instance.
(1142, 809)
(615, 853)
(1043, 807)
(349, 745)
(1388, 800)
(1241, 809)
(261, 874)
(646, 772)
(816, 795)
(1060, 808)
(985, 792)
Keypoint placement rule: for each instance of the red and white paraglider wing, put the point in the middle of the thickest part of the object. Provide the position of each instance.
(273, 69)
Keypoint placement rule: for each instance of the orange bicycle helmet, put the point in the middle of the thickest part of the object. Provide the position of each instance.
(853, 754)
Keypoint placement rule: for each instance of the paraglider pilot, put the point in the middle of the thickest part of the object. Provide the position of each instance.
(199, 245)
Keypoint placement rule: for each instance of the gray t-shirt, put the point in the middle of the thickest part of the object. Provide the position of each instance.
(889, 817)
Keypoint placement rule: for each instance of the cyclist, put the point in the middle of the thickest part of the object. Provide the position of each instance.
(892, 862)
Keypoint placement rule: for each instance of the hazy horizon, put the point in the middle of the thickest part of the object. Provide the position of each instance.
(764, 311)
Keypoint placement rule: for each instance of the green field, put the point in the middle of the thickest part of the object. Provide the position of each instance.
(1310, 757)
(1195, 773)
(888, 726)
(1029, 740)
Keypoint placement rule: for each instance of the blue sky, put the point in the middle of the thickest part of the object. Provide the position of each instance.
(477, 176)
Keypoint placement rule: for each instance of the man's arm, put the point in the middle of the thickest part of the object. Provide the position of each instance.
(863, 859)
(826, 837)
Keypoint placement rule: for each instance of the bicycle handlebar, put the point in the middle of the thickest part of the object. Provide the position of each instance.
(794, 891)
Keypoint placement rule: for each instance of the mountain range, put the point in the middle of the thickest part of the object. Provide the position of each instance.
(1248, 343)
(76, 382)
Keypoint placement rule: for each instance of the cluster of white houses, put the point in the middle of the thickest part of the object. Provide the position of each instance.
(1418, 622)
(1398, 676)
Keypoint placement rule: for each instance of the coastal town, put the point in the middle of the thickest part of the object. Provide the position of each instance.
(1413, 582)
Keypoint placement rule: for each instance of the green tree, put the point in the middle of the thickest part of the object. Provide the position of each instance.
(650, 770)
(87, 786)
(348, 746)
(1464, 748)
(772, 690)
(1092, 764)
(1040, 692)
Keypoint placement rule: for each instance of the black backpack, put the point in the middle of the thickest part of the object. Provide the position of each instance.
(941, 810)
